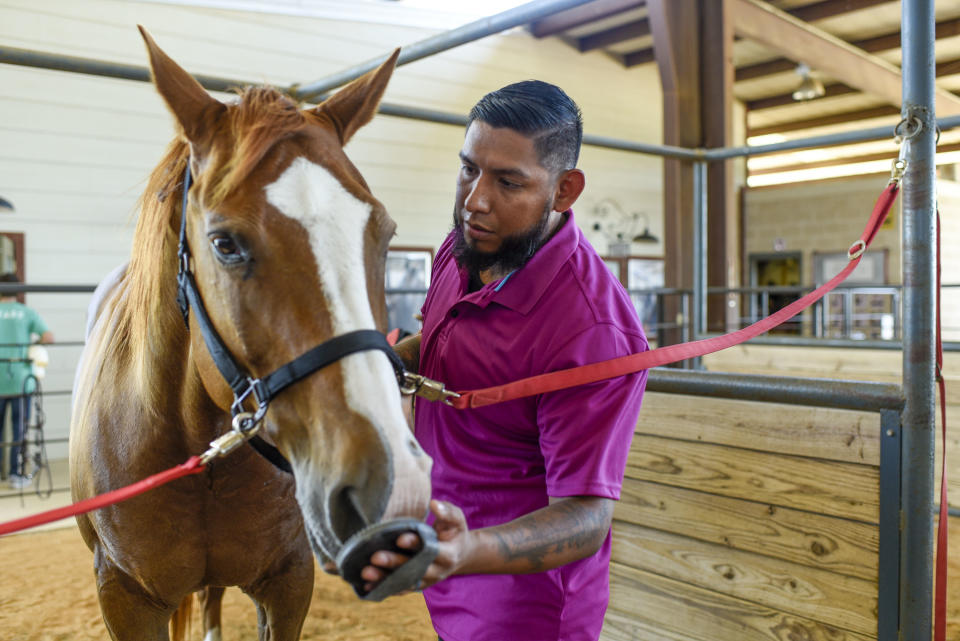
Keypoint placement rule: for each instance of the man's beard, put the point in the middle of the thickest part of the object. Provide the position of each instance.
(513, 253)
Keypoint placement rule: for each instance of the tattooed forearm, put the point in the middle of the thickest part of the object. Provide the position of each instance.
(409, 352)
(565, 531)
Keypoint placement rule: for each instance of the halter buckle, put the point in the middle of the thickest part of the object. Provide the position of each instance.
(245, 425)
(426, 388)
(256, 387)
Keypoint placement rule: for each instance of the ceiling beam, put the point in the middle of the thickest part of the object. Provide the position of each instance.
(607, 37)
(819, 11)
(843, 160)
(638, 57)
(945, 68)
(781, 100)
(831, 8)
(824, 121)
(825, 52)
(884, 42)
(584, 14)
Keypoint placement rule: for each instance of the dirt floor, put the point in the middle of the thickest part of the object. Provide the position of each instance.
(47, 594)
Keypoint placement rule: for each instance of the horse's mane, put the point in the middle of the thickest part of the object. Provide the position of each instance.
(147, 322)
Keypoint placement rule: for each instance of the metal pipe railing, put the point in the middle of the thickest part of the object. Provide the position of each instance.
(476, 30)
(919, 280)
(699, 249)
(74, 64)
(814, 392)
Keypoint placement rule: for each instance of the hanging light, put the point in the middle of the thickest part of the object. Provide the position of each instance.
(810, 87)
(6, 207)
(646, 236)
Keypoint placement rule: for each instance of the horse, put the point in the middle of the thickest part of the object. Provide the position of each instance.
(281, 254)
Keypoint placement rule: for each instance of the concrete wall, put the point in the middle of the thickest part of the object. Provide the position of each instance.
(827, 216)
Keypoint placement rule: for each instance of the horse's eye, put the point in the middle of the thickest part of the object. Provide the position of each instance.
(226, 248)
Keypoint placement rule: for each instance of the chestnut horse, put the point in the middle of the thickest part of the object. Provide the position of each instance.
(286, 248)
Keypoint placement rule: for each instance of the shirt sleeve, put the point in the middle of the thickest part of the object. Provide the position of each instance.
(586, 431)
(37, 324)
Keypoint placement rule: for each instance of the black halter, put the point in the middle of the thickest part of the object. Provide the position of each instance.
(263, 389)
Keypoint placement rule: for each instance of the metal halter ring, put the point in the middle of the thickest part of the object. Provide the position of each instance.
(247, 423)
(912, 121)
(856, 249)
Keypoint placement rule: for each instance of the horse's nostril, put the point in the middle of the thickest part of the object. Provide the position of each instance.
(354, 500)
(347, 514)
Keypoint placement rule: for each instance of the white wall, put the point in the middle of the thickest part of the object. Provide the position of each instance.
(76, 149)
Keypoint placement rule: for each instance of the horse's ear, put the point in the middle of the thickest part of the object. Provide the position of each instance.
(194, 109)
(353, 106)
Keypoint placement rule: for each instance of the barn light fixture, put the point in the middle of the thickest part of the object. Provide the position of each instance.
(6, 207)
(810, 87)
(645, 237)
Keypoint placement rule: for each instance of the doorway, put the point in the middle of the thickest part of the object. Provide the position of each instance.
(777, 279)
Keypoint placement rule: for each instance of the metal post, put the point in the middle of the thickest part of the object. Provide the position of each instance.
(888, 564)
(919, 271)
(441, 42)
(848, 311)
(699, 248)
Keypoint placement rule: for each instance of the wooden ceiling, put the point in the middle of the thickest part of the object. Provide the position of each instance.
(851, 46)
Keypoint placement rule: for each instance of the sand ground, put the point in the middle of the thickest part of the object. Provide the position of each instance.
(47, 593)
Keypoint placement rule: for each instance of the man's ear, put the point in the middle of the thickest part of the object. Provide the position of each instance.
(569, 187)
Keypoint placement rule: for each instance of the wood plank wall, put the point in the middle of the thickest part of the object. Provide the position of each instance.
(857, 365)
(748, 521)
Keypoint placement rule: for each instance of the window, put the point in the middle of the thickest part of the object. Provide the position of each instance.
(640, 276)
(11, 256)
(407, 280)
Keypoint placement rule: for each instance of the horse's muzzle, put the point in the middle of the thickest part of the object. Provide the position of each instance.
(356, 552)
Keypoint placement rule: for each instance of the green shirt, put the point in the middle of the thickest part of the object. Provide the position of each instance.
(17, 324)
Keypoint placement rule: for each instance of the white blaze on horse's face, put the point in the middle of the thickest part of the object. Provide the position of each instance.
(336, 221)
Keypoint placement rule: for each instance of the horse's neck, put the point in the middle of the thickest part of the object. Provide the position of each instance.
(157, 362)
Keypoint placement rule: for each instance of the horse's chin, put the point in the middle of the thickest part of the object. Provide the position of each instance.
(326, 561)
(323, 542)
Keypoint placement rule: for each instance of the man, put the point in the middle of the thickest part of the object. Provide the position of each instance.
(18, 325)
(524, 490)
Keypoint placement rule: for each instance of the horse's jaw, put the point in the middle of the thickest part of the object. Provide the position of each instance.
(332, 515)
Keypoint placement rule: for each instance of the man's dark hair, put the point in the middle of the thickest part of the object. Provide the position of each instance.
(540, 111)
(9, 277)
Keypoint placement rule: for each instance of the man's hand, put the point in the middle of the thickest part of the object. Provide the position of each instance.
(452, 544)
(409, 352)
(568, 529)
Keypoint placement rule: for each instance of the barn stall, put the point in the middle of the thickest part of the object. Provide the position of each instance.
(765, 504)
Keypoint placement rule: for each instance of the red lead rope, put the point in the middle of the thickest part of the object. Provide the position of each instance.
(940, 572)
(192, 466)
(632, 363)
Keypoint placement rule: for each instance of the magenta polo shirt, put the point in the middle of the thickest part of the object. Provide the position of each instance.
(563, 309)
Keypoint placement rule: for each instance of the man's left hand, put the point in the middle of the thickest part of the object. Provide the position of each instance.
(453, 538)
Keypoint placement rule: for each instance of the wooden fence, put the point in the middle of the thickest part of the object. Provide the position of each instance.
(754, 521)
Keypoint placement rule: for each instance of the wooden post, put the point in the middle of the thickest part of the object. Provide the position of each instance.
(723, 221)
(693, 41)
(676, 41)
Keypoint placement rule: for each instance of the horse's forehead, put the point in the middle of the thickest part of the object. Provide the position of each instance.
(316, 194)
(312, 148)
(335, 221)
